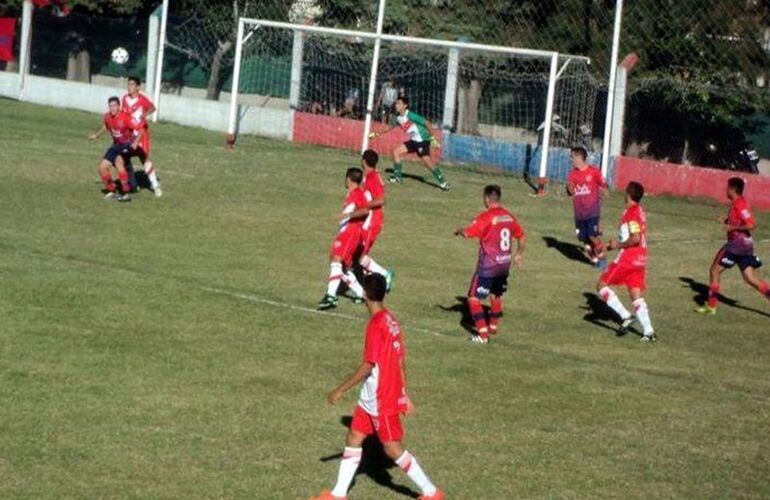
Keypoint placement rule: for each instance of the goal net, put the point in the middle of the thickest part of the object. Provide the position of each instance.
(489, 105)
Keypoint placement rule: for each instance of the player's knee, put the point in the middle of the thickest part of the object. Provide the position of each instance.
(393, 449)
(354, 439)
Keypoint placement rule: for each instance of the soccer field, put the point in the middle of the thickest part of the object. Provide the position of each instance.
(168, 348)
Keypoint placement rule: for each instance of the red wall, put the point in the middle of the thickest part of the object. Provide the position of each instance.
(681, 180)
(344, 133)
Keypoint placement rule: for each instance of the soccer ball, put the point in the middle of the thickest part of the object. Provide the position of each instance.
(120, 55)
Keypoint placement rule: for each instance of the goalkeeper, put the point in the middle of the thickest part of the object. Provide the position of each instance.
(417, 128)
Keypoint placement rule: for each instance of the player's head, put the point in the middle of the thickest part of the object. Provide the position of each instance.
(578, 155)
(401, 104)
(114, 104)
(492, 194)
(735, 187)
(369, 159)
(353, 177)
(634, 192)
(133, 84)
(375, 287)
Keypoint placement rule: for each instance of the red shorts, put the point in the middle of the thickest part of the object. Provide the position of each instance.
(619, 273)
(368, 238)
(387, 427)
(345, 245)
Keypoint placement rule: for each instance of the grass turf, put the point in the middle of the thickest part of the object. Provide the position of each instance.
(150, 349)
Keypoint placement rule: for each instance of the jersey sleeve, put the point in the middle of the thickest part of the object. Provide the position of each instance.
(372, 344)
(600, 181)
(477, 228)
(634, 224)
(146, 102)
(375, 188)
(745, 214)
(415, 118)
(361, 201)
(518, 231)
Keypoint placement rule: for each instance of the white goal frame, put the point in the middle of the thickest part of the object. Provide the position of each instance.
(296, 69)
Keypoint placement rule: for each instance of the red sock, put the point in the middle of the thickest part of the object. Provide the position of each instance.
(495, 312)
(713, 295)
(108, 184)
(764, 289)
(477, 312)
(125, 186)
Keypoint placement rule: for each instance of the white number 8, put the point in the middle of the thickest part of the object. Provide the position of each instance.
(505, 239)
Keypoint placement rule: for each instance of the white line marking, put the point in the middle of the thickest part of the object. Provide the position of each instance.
(260, 300)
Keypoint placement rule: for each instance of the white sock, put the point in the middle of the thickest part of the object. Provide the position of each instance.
(643, 315)
(409, 465)
(614, 302)
(348, 467)
(335, 275)
(353, 284)
(368, 264)
(150, 171)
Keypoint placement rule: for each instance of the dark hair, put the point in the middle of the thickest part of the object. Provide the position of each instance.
(736, 184)
(375, 287)
(113, 99)
(355, 175)
(403, 99)
(580, 151)
(371, 157)
(635, 191)
(135, 79)
(493, 192)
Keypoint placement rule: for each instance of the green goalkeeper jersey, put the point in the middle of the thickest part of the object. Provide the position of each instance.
(415, 126)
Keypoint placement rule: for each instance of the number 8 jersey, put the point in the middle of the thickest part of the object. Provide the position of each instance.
(495, 228)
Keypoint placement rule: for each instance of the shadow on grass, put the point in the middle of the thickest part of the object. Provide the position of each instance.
(569, 250)
(600, 314)
(461, 307)
(702, 291)
(374, 463)
(418, 178)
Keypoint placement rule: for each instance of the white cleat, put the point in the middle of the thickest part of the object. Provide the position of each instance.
(158, 191)
(110, 195)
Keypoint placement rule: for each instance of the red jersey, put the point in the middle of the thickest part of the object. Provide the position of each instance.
(374, 188)
(136, 107)
(355, 199)
(383, 391)
(740, 242)
(495, 227)
(586, 186)
(120, 126)
(633, 221)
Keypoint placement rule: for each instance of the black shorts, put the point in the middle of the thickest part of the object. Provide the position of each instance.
(728, 260)
(587, 229)
(421, 148)
(116, 150)
(483, 287)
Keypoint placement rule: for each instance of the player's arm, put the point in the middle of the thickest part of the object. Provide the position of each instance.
(474, 230)
(373, 135)
(634, 237)
(356, 214)
(748, 223)
(521, 244)
(98, 133)
(363, 371)
(135, 143)
(377, 202)
(409, 405)
(149, 108)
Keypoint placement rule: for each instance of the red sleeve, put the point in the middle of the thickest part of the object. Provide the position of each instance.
(360, 200)
(478, 227)
(600, 178)
(518, 231)
(745, 214)
(372, 343)
(146, 102)
(375, 187)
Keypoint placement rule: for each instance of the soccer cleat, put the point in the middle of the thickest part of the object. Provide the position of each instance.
(158, 191)
(649, 338)
(389, 275)
(327, 495)
(358, 300)
(328, 302)
(479, 339)
(124, 198)
(396, 179)
(707, 310)
(444, 186)
(439, 495)
(110, 195)
(625, 325)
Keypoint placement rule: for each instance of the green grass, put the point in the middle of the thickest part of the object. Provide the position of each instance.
(141, 355)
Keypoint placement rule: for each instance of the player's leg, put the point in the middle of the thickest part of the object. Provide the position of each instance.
(718, 266)
(597, 245)
(610, 297)
(642, 314)
(398, 167)
(435, 170)
(106, 175)
(335, 277)
(353, 285)
(360, 427)
(750, 277)
(367, 263)
(125, 184)
(478, 291)
(147, 165)
(391, 434)
(498, 289)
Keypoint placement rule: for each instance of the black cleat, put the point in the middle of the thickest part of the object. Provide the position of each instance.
(649, 338)
(327, 302)
(625, 325)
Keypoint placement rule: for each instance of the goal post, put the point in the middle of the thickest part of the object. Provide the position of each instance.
(319, 85)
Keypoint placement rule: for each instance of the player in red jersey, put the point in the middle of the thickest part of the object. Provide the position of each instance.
(629, 267)
(139, 106)
(587, 187)
(495, 227)
(351, 221)
(382, 400)
(739, 249)
(374, 188)
(125, 139)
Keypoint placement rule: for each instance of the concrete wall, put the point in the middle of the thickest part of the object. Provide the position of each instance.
(211, 115)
